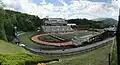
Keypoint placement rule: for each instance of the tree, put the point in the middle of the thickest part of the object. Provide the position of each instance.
(2, 31)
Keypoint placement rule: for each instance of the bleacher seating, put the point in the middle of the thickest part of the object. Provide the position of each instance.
(79, 40)
(57, 28)
(56, 25)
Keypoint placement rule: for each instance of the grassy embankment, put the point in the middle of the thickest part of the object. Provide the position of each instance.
(114, 53)
(11, 54)
(7, 48)
(96, 57)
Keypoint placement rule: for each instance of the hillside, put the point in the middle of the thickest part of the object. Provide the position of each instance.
(6, 48)
(22, 21)
(96, 57)
(98, 23)
(107, 21)
(11, 54)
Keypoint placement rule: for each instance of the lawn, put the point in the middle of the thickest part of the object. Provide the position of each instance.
(26, 40)
(48, 38)
(67, 37)
(6, 48)
(114, 53)
(96, 57)
(11, 54)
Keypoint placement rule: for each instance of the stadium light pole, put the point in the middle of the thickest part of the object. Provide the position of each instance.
(118, 40)
(15, 31)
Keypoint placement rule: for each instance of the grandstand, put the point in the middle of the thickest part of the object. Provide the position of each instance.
(55, 25)
(79, 40)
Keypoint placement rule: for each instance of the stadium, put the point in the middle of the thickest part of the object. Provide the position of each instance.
(58, 35)
(57, 32)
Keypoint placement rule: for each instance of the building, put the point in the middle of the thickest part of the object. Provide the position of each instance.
(55, 25)
(71, 24)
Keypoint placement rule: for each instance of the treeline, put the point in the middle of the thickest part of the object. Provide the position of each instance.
(85, 23)
(24, 22)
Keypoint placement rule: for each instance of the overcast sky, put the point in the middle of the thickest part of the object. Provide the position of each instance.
(67, 9)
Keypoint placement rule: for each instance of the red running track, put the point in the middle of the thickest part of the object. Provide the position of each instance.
(35, 39)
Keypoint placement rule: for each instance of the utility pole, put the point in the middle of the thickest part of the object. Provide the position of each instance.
(118, 40)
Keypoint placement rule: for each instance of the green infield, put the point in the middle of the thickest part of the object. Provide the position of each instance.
(66, 37)
(48, 38)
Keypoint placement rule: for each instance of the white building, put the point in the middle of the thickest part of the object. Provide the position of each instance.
(71, 24)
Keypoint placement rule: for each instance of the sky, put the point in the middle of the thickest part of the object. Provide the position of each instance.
(68, 9)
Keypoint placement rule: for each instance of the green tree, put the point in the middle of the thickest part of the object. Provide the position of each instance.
(2, 31)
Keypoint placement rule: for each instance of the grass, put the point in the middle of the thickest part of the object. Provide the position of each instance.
(26, 37)
(26, 40)
(6, 48)
(67, 37)
(114, 53)
(48, 38)
(11, 54)
(19, 59)
(96, 57)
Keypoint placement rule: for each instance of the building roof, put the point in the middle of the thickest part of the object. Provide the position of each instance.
(55, 20)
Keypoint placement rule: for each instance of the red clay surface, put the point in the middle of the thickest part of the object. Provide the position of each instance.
(35, 39)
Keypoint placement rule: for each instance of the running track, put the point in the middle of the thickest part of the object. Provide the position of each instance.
(35, 39)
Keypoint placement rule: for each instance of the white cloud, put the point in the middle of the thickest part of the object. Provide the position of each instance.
(77, 9)
(63, 2)
(116, 2)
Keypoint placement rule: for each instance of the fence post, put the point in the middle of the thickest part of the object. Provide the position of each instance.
(109, 59)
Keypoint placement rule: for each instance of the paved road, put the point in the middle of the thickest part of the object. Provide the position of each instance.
(72, 50)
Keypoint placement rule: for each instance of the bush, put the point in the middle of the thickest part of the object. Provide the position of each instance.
(18, 59)
(13, 62)
(22, 59)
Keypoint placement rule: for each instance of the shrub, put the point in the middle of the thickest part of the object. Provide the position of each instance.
(18, 59)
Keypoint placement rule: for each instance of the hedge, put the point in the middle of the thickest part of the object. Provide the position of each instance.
(22, 59)
(18, 59)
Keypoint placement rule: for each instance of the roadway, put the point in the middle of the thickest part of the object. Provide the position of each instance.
(72, 50)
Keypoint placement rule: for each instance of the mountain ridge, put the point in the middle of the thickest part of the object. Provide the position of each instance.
(107, 21)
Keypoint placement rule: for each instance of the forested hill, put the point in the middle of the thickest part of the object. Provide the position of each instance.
(23, 21)
(107, 21)
(101, 23)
